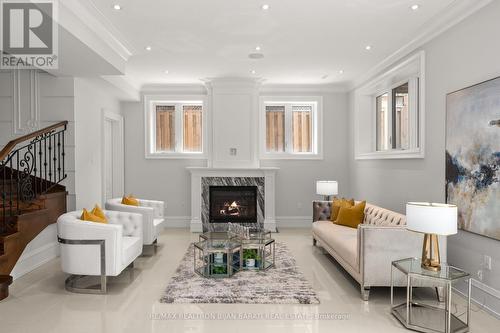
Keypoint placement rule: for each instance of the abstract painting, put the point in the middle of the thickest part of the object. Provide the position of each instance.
(473, 157)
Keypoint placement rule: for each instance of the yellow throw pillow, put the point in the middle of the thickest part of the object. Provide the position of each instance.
(87, 216)
(130, 200)
(97, 211)
(337, 204)
(351, 216)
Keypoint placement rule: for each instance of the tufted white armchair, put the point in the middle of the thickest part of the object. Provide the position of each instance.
(90, 248)
(151, 211)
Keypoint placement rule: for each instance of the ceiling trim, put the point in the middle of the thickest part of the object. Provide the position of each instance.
(87, 12)
(453, 14)
(304, 88)
(120, 82)
(187, 88)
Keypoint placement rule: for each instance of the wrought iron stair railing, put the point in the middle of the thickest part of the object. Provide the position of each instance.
(30, 166)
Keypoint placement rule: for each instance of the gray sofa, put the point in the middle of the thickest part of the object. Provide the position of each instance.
(366, 253)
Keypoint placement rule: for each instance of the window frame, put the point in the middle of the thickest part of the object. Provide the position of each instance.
(412, 69)
(316, 127)
(413, 110)
(150, 103)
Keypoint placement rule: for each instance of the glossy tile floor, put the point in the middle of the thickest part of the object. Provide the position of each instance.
(39, 303)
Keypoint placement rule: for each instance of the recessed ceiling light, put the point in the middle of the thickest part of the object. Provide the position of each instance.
(341, 71)
(117, 7)
(148, 48)
(265, 7)
(253, 71)
(257, 48)
(166, 72)
(368, 47)
(415, 7)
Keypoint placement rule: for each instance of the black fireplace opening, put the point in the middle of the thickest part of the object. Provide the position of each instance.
(233, 204)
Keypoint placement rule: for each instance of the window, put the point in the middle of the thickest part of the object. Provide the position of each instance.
(393, 116)
(389, 113)
(291, 128)
(174, 128)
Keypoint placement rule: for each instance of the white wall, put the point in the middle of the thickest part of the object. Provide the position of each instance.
(168, 179)
(460, 57)
(92, 97)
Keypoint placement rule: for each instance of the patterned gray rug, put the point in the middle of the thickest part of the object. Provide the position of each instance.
(283, 284)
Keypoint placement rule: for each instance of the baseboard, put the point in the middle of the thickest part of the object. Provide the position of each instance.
(177, 222)
(486, 289)
(293, 221)
(35, 258)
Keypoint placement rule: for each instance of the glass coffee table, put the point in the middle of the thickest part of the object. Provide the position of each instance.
(257, 251)
(217, 258)
(261, 248)
(416, 315)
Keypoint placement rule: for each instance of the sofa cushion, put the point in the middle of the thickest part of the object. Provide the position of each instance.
(132, 248)
(351, 216)
(337, 204)
(341, 239)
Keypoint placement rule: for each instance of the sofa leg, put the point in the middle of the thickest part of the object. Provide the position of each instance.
(150, 250)
(440, 294)
(365, 293)
(314, 241)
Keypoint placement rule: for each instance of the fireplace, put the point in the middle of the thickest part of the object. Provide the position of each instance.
(233, 204)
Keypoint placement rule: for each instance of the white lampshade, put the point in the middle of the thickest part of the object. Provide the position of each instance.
(327, 187)
(431, 218)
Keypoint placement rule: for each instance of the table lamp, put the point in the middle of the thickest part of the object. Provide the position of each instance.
(327, 188)
(432, 219)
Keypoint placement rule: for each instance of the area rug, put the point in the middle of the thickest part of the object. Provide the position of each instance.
(282, 284)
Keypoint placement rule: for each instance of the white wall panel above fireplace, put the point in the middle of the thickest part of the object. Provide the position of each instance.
(234, 105)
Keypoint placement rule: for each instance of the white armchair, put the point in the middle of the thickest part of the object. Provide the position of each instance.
(152, 213)
(90, 248)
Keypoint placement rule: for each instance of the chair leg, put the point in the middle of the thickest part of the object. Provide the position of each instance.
(150, 250)
(71, 285)
(365, 293)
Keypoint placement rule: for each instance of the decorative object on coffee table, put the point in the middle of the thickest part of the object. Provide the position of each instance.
(418, 316)
(327, 188)
(432, 219)
(260, 247)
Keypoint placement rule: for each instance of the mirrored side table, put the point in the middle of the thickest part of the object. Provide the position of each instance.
(428, 318)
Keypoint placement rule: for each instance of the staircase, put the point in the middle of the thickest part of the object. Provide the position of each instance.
(31, 196)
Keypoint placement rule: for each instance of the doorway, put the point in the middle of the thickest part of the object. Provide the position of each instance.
(113, 156)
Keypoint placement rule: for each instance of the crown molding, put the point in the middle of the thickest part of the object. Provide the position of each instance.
(94, 21)
(130, 92)
(453, 14)
(179, 88)
(303, 88)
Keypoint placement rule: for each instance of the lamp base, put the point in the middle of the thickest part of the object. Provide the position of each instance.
(430, 253)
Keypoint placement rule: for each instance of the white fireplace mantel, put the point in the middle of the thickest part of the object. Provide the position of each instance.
(197, 173)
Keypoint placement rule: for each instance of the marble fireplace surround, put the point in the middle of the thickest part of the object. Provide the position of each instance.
(202, 178)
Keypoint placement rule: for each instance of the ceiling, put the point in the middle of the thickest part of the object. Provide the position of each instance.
(303, 41)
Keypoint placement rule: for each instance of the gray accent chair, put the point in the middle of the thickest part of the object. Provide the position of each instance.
(367, 252)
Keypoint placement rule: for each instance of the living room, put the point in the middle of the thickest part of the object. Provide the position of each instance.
(218, 155)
